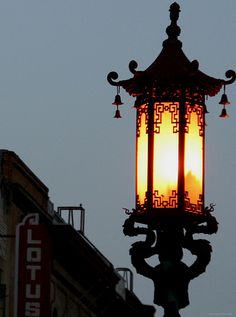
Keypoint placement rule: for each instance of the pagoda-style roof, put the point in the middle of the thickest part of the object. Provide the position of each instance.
(171, 70)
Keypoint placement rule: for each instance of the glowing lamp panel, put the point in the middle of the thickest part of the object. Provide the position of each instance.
(194, 158)
(165, 157)
(141, 157)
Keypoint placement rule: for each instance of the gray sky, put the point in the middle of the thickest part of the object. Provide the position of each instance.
(56, 114)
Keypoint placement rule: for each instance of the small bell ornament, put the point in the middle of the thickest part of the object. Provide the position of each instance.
(117, 102)
(224, 100)
(117, 114)
(224, 114)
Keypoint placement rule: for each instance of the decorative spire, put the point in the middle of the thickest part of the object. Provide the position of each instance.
(173, 30)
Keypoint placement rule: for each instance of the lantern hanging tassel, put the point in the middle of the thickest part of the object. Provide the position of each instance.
(117, 102)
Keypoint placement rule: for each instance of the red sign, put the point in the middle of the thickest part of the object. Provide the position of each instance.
(33, 269)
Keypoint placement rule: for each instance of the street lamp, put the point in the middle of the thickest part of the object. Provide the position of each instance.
(170, 148)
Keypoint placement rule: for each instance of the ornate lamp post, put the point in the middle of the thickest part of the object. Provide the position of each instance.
(170, 144)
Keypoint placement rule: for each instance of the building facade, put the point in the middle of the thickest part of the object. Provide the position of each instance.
(47, 268)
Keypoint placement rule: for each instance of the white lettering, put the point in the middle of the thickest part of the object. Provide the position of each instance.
(33, 269)
(29, 293)
(30, 239)
(33, 265)
(32, 309)
(33, 255)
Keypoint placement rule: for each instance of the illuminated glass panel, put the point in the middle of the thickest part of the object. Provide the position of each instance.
(141, 156)
(193, 164)
(165, 157)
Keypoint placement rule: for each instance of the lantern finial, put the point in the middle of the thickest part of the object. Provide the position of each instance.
(173, 30)
(174, 11)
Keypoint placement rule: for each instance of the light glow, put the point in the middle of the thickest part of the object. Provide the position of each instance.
(193, 158)
(142, 160)
(170, 157)
(165, 174)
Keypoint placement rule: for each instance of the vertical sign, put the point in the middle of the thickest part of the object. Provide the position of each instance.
(33, 266)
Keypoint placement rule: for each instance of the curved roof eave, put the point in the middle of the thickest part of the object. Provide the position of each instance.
(172, 67)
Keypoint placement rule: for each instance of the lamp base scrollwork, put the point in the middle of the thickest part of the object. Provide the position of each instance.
(171, 277)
